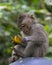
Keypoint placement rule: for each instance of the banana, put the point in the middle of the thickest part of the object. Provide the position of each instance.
(17, 39)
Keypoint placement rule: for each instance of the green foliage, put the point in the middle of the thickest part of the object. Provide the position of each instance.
(48, 5)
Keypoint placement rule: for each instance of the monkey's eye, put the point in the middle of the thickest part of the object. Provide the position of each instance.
(22, 25)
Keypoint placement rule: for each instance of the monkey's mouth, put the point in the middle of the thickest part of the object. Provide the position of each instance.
(26, 31)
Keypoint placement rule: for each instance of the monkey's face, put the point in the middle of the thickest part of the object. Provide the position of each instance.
(25, 23)
(25, 29)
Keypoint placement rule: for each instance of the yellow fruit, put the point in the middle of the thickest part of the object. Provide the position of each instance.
(17, 39)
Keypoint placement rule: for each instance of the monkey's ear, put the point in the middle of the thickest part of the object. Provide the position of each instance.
(22, 15)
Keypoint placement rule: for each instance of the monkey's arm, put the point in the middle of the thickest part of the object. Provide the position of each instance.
(27, 51)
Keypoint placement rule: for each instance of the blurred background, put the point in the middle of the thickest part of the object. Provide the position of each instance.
(9, 11)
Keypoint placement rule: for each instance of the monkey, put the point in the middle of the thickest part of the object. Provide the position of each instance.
(34, 36)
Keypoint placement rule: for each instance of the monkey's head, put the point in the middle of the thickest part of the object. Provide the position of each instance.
(25, 22)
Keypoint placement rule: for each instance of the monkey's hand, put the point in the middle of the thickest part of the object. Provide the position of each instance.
(19, 40)
(24, 42)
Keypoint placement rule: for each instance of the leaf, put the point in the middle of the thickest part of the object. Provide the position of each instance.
(50, 49)
(50, 39)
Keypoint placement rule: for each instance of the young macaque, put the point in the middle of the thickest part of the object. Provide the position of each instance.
(34, 36)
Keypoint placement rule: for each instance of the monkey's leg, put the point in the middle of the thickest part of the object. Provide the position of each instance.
(40, 51)
(15, 56)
